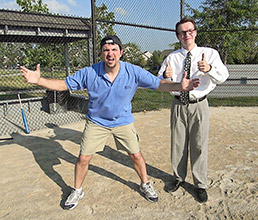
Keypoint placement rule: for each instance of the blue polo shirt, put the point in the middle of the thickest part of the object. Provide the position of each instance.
(110, 103)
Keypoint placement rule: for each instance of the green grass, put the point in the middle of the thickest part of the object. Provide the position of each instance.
(234, 101)
(146, 99)
(11, 82)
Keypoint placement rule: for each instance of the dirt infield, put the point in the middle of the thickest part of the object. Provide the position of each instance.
(37, 169)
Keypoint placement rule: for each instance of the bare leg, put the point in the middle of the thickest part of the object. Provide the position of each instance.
(139, 166)
(81, 169)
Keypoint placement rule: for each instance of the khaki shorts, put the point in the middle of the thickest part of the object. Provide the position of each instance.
(95, 137)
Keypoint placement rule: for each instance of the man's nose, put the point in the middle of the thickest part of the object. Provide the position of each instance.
(109, 53)
(187, 33)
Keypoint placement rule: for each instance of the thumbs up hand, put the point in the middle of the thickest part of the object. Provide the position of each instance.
(203, 66)
(168, 71)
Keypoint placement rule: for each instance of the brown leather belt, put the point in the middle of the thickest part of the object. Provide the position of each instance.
(193, 101)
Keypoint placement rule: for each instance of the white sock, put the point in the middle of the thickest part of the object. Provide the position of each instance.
(144, 184)
(78, 190)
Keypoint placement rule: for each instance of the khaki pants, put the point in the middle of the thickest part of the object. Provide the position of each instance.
(190, 135)
(94, 138)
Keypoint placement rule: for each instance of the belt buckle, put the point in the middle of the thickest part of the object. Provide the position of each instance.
(193, 101)
(197, 100)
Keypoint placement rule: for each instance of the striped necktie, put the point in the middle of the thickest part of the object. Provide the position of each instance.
(184, 95)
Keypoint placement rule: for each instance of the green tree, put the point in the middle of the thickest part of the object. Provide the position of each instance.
(14, 53)
(53, 55)
(230, 26)
(133, 54)
(78, 53)
(33, 6)
(155, 61)
(175, 46)
(104, 24)
(105, 19)
(48, 55)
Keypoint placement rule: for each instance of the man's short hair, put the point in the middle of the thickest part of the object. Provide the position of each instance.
(184, 20)
(111, 39)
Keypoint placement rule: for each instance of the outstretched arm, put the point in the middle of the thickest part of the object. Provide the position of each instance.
(185, 85)
(33, 77)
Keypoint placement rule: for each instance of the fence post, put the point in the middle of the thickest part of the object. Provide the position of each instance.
(67, 69)
(182, 2)
(93, 27)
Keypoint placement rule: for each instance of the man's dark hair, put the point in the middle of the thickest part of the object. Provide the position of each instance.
(184, 20)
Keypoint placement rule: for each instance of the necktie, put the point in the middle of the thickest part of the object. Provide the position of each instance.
(184, 95)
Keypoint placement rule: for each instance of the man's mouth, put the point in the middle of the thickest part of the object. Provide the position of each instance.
(110, 60)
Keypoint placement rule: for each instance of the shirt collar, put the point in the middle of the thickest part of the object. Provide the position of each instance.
(102, 68)
(193, 51)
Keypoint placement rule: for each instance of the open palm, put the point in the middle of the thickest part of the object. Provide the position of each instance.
(31, 76)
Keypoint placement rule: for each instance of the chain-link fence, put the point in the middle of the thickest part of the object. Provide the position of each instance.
(152, 27)
(60, 44)
(149, 31)
(64, 44)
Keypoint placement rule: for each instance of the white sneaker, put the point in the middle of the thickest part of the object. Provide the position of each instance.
(73, 199)
(149, 192)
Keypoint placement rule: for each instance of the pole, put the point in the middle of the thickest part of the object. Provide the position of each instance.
(93, 28)
(182, 2)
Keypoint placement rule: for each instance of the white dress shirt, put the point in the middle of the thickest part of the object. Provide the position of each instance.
(218, 73)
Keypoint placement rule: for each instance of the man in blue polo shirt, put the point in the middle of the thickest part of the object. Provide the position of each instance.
(111, 85)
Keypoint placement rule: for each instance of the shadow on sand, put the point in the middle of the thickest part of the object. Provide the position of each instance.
(50, 152)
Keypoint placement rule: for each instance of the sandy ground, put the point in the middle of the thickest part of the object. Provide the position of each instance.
(37, 169)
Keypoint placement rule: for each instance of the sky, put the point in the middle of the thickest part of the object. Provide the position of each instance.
(165, 15)
(81, 8)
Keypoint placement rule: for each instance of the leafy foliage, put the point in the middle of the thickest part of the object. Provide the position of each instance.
(231, 27)
(133, 54)
(104, 28)
(52, 55)
(33, 6)
(155, 61)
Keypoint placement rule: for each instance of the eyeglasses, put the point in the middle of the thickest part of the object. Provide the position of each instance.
(183, 33)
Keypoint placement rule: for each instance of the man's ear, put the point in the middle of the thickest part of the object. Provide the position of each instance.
(100, 52)
(195, 33)
(177, 36)
(121, 52)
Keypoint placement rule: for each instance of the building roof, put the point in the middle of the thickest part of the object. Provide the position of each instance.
(16, 26)
(166, 52)
(147, 55)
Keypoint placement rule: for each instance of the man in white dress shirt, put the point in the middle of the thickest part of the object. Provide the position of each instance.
(190, 116)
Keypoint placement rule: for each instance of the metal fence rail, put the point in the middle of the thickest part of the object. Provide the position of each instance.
(242, 82)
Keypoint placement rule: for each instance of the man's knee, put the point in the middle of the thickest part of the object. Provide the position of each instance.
(84, 160)
(136, 156)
